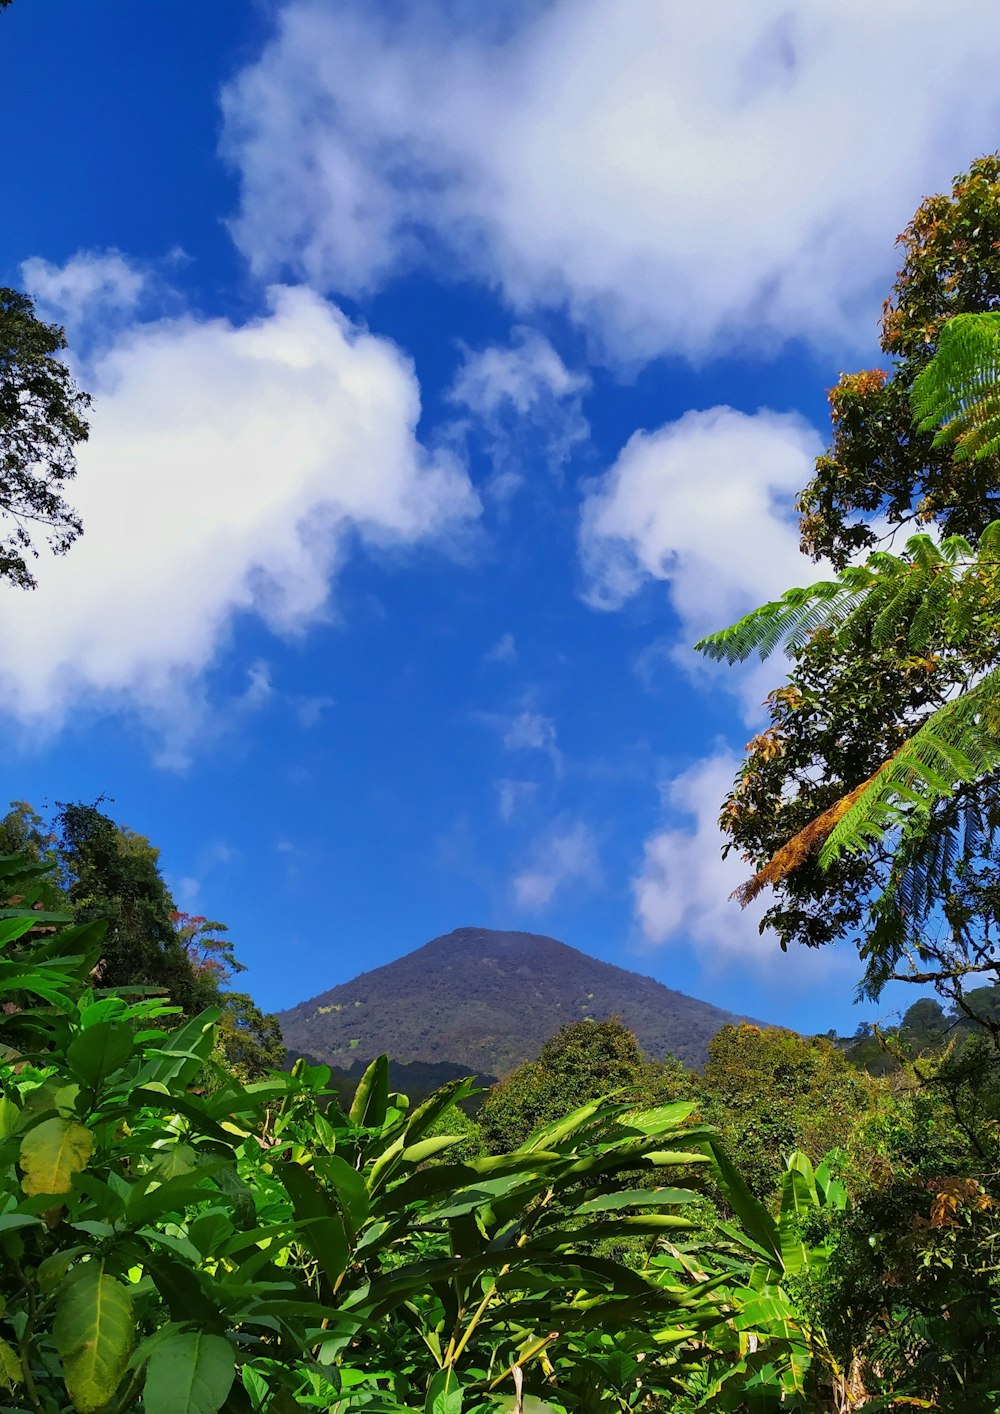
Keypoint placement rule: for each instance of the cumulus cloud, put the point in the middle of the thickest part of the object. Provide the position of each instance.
(565, 854)
(682, 891)
(703, 505)
(89, 281)
(228, 469)
(678, 177)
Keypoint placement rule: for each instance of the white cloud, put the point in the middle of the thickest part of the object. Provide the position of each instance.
(228, 466)
(703, 504)
(682, 892)
(521, 376)
(679, 177)
(565, 854)
(523, 401)
(92, 295)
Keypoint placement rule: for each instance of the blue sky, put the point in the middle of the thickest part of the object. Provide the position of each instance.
(454, 369)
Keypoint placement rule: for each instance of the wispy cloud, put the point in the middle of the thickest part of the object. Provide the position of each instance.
(566, 854)
(503, 651)
(682, 890)
(512, 796)
(523, 403)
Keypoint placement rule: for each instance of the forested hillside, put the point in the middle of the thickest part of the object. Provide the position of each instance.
(483, 1001)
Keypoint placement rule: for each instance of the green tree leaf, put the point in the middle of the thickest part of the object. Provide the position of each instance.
(94, 1331)
(371, 1099)
(189, 1373)
(444, 1393)
(99, 1051)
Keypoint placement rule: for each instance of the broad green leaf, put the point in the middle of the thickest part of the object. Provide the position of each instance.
(549, 1135)
(180, 1286)
(174, 1161)
(426, 1148)
(94, 1331)
(173, 1195)
(13, 928)
(52, 1153)
(350, 1186)
(189, 1373)
(444, 1393)
(185, 1052)
(437, 1104)
(11, 1373)
(51, 1273)
(321, 1226)
(637, 1197)
(753, 1215)
(663, 1117)
(10, 1117)
(371, 1099)
(99, 1051)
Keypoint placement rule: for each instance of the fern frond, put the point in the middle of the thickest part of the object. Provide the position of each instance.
(957, 392)
(791, 617)
(957, 743)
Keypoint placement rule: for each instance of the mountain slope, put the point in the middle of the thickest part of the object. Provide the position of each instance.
(483, 1001)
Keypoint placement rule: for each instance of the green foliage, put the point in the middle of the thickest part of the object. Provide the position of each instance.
(770, 1092)
(877, 465)
(957, 395)
(583, 1062)
(249, 1040)
(252, 1246)
(42, 419)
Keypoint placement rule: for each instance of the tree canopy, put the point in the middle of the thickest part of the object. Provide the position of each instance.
(42, 420)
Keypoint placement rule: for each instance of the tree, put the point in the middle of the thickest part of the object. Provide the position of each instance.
(771, 1092)
(113, 873)
(877, 465)
(584, 1060)
(870, 803)
(249, 1039)
(42, 419)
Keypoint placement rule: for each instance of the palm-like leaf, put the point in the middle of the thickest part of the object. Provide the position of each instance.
(958, 392)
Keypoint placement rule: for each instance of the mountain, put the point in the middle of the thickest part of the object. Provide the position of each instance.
(480, 1001)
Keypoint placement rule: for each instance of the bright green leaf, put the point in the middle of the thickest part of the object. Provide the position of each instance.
(99, 1051)
(189, 1373)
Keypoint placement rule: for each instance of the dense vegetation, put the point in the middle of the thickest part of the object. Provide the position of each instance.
(175, 1238)
(484, 1001)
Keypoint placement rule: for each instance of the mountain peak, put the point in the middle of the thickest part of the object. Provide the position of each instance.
(483, 1000)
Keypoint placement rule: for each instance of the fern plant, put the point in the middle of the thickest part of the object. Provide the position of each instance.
(958, 393)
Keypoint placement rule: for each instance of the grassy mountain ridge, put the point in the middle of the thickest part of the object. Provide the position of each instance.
(485, 1001)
